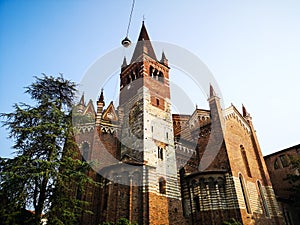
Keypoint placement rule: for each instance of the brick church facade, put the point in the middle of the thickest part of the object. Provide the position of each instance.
(156, 167)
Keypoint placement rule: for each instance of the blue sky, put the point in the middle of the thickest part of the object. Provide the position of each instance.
(251, 47)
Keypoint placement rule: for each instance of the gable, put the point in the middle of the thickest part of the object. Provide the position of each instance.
(110, 113)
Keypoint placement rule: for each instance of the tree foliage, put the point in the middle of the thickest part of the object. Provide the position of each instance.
(121, 221)
(294, 180)
(46, 173)
(231, 221)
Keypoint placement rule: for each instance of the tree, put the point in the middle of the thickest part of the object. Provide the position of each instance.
(121, 221)
(231, 221)
(46, 172)
(294, 179)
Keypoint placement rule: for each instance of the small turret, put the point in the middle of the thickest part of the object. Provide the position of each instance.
(246, 115)
(81, 105)
(164, 59)
(212, 92)
(100, 105)
(124, 64)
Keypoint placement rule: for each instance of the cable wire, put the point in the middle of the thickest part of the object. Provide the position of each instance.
(132, 6)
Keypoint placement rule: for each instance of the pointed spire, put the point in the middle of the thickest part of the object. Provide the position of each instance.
(164, 59)
(101, 98)
(124, 64)
(143, 46)
(81, 102)
(245, 112)
(100, 105)
(212, 92)
(143, 33)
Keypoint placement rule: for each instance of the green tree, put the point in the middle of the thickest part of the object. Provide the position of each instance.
(46, 173)
(121, 221)
(231, 221)
(294, 180)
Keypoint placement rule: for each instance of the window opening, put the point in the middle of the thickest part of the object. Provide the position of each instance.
(284, 160)
(263, 200)
(197, 203)
(160, 153)
(276, 165)
(245, 159)
(244, 191)
(162, 185)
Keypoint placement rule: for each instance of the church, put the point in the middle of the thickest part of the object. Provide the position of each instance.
(156, 167)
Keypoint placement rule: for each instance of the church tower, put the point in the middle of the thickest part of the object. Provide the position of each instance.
(143, 187)
(147, 130)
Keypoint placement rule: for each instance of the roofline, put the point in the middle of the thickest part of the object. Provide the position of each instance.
(283, 150)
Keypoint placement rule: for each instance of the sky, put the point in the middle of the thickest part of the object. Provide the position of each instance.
(251, 47)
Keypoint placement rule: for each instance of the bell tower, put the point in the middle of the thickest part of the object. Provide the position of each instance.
(146, 133)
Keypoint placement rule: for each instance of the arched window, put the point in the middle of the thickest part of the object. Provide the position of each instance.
(155, 73)
(162, 185)
(245, 159)
(284, 160)
(160, 77)
(244, 192)
(151, 71)
(263, 200)
(85, 151)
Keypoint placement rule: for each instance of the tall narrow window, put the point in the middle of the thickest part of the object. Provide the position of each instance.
(162, 185)
(160, 153)
(276, 166)
(157, 102)
(284, 160)
(151, 71)
(245, 159)
(197, 202)
(245, 196)
(136, 73)
(222, 191)
(263, 200)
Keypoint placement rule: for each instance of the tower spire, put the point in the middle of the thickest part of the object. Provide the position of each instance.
(143, 45)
